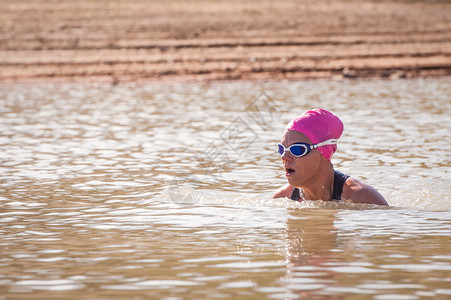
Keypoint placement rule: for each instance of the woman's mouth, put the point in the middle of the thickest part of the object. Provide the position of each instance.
(289, 172)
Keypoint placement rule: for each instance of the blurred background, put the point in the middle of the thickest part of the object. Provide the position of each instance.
(139, 40)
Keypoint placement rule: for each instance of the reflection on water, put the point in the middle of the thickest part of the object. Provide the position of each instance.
(92, 180)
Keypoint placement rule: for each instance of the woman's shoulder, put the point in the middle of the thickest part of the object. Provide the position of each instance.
(359, 192)
(283, 192)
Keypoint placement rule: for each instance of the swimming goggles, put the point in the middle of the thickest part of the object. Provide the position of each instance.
(301, 149)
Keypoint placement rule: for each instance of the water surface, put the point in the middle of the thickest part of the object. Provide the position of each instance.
(162, 191)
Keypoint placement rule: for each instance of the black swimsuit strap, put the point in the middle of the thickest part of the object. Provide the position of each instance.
(339, 181)
(295, 194)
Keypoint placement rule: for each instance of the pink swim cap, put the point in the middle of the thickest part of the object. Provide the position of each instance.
(319, 125)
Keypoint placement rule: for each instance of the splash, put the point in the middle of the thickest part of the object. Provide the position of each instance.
(187, 195)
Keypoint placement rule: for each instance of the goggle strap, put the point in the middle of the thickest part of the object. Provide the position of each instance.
(325, 143)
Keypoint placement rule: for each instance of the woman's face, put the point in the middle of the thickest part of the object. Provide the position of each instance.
(300, 171)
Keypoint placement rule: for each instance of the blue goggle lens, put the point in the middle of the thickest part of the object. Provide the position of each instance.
(297, 150)
(281, 149)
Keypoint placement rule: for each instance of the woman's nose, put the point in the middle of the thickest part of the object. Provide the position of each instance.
(286, 156)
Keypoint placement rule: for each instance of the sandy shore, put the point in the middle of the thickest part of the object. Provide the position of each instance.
(140, 40)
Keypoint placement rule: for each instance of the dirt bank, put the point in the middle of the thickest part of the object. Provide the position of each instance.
(140, 40)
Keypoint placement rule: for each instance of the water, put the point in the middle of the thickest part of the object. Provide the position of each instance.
(162, 191)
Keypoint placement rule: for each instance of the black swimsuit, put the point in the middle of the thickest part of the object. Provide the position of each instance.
(339, 181)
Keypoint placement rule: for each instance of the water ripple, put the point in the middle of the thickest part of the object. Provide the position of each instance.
(140, 191)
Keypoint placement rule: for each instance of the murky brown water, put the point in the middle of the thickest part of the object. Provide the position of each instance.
(163, 191)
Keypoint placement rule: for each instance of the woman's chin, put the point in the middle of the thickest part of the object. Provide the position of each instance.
(292, 181)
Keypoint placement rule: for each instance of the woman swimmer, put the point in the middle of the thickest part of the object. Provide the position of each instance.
(307, 146)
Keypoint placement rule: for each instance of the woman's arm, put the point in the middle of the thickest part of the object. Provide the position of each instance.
(359, 192)
(283, 192)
